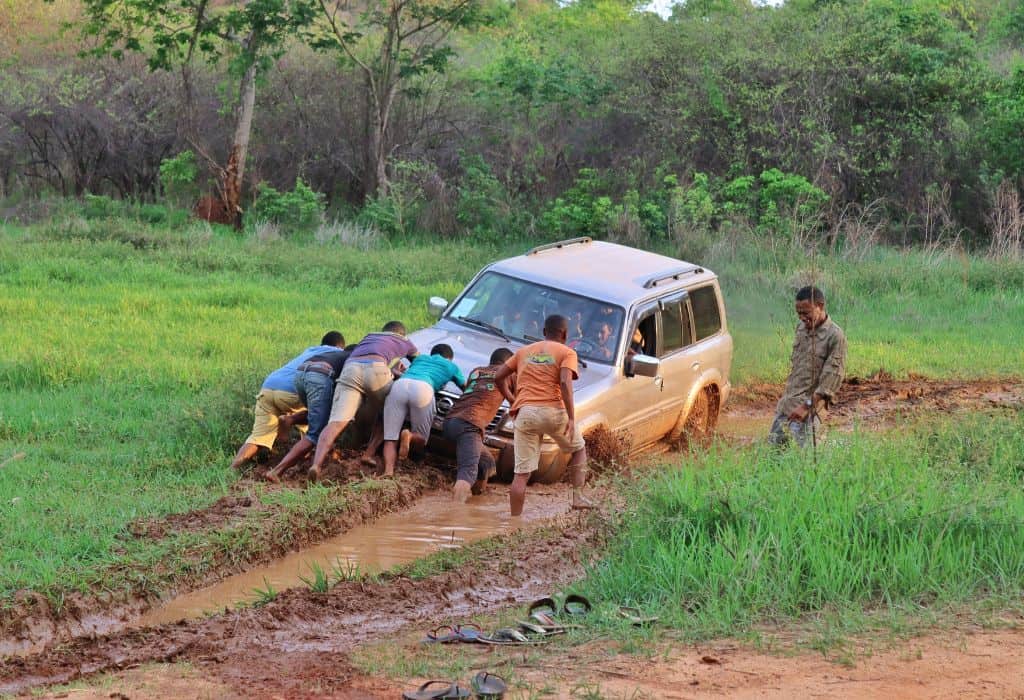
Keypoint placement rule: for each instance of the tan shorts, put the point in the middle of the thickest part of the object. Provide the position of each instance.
(360, 381)
(271, 404)
(532, 424)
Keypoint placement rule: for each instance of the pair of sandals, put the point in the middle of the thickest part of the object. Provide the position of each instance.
(545, 614)
(473, 634)
(485, 686)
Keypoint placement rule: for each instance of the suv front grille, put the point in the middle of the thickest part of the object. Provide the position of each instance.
(444, 402)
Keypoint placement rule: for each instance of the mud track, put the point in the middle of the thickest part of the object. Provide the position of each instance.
(31, 621)
(875, 402)
(302, 638)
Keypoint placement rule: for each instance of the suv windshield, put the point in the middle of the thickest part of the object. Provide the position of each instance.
(518, 308)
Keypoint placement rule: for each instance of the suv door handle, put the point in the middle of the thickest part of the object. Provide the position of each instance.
(659, 382)
(695, 366)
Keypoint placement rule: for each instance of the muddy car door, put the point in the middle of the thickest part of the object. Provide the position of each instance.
(680, 359)
(641, 402)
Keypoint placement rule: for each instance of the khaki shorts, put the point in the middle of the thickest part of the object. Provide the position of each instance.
(360, 381)
(271, 404)
(532, 424)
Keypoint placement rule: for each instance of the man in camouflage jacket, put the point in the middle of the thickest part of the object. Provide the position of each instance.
(817, 365)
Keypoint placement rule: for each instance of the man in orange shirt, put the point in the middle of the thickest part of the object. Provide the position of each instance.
(543, 405)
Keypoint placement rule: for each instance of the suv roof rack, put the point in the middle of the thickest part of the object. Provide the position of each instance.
(674, 276)
(560, 244)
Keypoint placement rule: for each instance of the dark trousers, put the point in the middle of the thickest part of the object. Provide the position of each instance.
(474, 460)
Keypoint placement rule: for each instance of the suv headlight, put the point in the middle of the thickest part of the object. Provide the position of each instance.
(508, 425)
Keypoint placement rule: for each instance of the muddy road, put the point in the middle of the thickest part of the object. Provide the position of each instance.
(299, 644)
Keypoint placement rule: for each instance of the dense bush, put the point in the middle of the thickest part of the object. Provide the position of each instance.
(298, 211)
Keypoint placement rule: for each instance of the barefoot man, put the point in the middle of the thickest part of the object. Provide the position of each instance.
(543, 405)
(817, 367)
(467, 422)
(367, 376)
(278, 405)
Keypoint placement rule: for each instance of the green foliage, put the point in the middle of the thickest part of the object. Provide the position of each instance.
(101, 207)
(581, 210)
(298, 211)
(178, 178)
(264, 596)
(482, 209)
(785, 197)
(1003, 129)
(749, 536)
(319, 581)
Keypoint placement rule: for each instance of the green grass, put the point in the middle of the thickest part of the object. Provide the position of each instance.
(130, 355)
(927, 519)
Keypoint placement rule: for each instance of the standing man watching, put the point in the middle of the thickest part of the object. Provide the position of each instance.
(367, 376)
(467, 422)
(543, 405)
(818, 364)
(278, 405)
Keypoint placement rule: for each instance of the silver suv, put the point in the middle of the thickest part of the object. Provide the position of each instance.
(650, 332)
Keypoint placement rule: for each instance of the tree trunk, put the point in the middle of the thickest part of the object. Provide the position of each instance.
(231, 187)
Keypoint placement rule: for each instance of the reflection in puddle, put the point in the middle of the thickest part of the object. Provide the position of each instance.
(435, 522)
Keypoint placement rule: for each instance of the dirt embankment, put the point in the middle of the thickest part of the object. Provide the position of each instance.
(33, 621)
(877, 401)
(301, 639)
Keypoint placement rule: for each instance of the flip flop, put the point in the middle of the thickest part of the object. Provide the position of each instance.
(539, 630)
(468, 632)
(488, 686)
(439, 636)
(576, 605)
(636, 616)
(444, 690)
(549, 623)
(544, 606)
(510, 637)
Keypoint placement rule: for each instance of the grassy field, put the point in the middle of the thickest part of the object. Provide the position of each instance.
(131, 355)
(913, 521)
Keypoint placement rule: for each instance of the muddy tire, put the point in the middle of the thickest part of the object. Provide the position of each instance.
(699, 425)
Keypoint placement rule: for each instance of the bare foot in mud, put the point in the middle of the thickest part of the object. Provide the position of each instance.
(460, 493)
(313, 474)
(581, 502)
(272, 477)
(404, 441)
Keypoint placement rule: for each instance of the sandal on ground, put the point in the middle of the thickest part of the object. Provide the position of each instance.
(635, 616)
(531, 628)
(445, 634)
(468, 632)
(576, 605)
(509, 637)
(488, 686)
(442, 690)
(546, 606)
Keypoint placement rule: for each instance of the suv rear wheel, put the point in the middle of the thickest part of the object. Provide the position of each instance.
(699, 424)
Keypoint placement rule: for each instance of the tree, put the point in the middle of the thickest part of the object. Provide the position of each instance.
(391, 43)
(172, 33)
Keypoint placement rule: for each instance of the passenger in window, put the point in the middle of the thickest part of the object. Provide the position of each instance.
(817, 366)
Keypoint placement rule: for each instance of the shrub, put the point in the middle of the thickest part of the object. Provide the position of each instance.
(298, 211)
(178, 179)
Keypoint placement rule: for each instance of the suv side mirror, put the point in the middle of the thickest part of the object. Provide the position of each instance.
(437, 305)
(645, 366)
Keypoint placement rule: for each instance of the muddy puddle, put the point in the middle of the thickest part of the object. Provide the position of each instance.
(434, 523)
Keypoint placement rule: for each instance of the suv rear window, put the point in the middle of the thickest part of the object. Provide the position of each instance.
(675, 327)
(706, 316)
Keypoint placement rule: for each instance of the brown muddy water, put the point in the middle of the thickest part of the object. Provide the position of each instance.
(434, 523)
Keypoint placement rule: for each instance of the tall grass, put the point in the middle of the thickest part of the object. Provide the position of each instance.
(750, 535)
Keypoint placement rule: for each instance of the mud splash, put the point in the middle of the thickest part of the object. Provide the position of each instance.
(435, 522)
